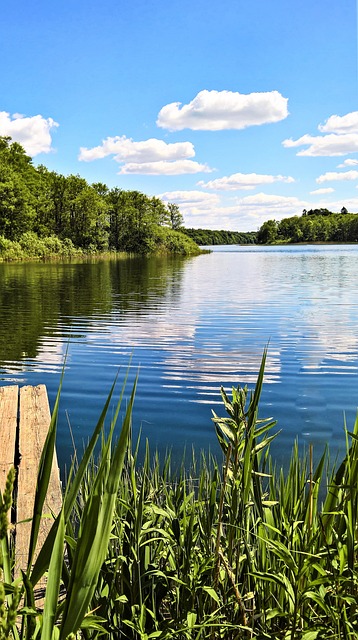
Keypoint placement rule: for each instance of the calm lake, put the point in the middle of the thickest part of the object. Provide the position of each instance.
(190, 326)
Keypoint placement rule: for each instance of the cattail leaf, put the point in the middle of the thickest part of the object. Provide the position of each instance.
(42, 561)
(53, 581)
(95, 531)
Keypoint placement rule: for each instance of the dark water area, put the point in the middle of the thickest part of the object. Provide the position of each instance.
(190, 325)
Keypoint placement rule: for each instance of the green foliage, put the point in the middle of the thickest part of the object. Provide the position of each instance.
(171, 241)
(176, 218)
(37, 204)
(267, 234)
(315, 225)
(226, 549)
(209, 237)
(30, 246)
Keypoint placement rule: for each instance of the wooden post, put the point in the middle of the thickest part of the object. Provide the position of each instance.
(8, 426)
(24, 424)
(34, 422)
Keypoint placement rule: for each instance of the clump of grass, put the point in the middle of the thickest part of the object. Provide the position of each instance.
(229, 548)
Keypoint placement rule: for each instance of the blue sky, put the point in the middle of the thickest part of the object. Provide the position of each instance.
(238, 111)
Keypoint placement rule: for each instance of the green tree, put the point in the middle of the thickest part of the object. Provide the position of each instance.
(176, 218)
(268, 232)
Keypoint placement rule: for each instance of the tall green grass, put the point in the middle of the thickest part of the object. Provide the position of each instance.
(227, 548)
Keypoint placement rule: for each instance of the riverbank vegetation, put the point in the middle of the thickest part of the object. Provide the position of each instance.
(45, 214)
(315, 225)
(230, 548)
(213, 237)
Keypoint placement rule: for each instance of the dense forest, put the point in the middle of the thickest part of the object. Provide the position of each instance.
(211, 237)
(43, 212)
(315, 225)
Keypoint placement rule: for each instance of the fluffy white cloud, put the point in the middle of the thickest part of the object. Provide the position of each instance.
(254, 210)
(330, 145)
(151, 157)
(218, 110)
(336, 175)
(270, 201)
(32, 132)
(206, 210)
(351, 204)
(321, 191)
(349, 162)
(127, 150)
(341, 124)
(161, 167)
(243, 181)
(341, 138)
(193, 199)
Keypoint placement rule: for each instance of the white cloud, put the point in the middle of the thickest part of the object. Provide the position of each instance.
(271, 201)
(206, 210)
(341, 138)
(243, 181)
(196, 199)
(351, 204)
(127, 150)
(151, 157)
(32, 132)
(349, 162)
(161, 167)
(341, 124)
(322, 191)
(218, 110)
(336, 175)
(330, 145)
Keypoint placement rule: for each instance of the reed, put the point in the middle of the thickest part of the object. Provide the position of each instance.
(225, 549)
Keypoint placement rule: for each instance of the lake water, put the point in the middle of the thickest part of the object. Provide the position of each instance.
(190, 326)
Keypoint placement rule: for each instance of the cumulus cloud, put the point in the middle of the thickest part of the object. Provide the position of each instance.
(206, 210)
(32, 132)
(196, 199)
(341, 124)
(349, 162)
(321, 191)
(329, 145)
(151, 157)
(351, 204)
(243, 181)
(127, 150)
(336, 175)
(199, 209)
(161, 167)
(218, 110)
(271, 201)
(341, 138)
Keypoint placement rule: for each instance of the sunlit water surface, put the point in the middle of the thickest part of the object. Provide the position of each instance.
(190, 325)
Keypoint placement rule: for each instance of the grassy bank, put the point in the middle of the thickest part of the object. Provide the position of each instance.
(230, 548)
(31, 247)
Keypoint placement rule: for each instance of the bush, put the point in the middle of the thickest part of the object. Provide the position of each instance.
(9, 250)
(169, 241)
(32, 245)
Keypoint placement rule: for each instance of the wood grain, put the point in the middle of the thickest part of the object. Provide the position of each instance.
(8, 426)
(33, 427)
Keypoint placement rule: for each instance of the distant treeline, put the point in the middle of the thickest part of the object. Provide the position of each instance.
(210, 237)
(315, 225)
(44, 212)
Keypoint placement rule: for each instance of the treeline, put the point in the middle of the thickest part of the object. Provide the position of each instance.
(91, 217)
(211, 237)
(316, 225)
